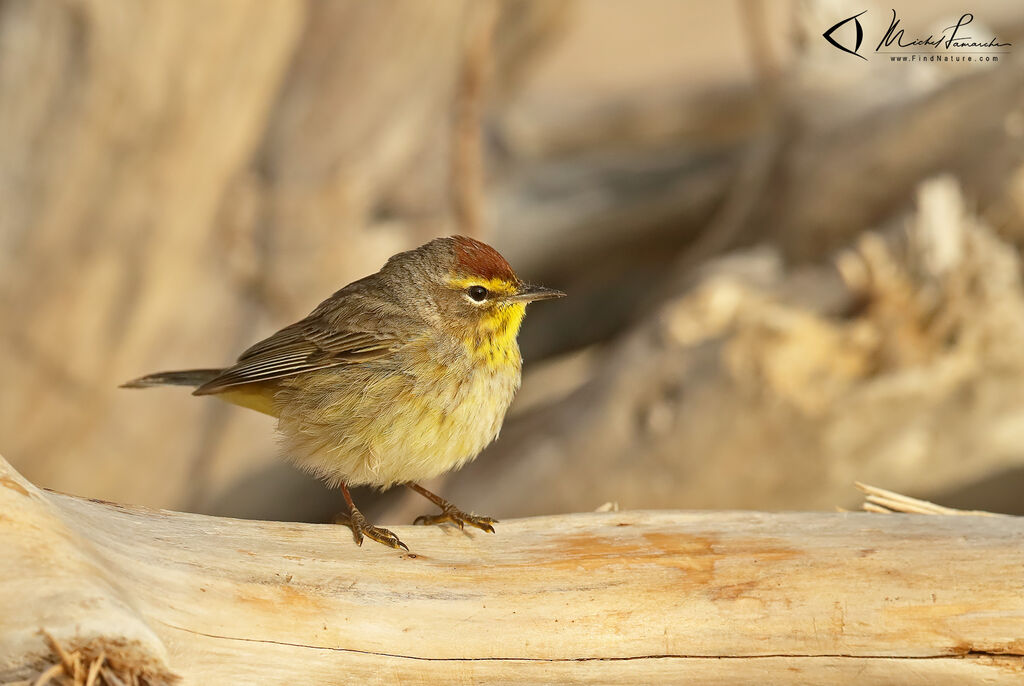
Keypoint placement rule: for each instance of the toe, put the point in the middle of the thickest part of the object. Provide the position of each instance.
(459, 519)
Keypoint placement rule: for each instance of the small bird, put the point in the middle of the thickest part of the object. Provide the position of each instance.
(398, 377)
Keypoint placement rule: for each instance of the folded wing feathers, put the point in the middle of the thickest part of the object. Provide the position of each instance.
(302, 347)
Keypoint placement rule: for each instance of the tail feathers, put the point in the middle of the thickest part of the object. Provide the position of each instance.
(188, 377)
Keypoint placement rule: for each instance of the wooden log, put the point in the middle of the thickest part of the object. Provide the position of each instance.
(614, 597)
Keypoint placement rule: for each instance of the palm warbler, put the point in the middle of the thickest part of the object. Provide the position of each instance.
(398, 377)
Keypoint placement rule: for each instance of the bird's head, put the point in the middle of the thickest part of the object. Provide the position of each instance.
(471, 289)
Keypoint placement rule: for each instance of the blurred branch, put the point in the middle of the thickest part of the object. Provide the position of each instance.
(768, 385)
(806, 180)
(762, 57)
(467, 171)
(813, 206)
(614, 597)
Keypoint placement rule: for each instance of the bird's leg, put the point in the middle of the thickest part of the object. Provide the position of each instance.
(360, 527)
(450, 513)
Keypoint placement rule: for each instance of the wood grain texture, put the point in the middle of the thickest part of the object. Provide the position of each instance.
(626, 597)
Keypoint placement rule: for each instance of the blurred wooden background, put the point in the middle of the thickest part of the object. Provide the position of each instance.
(788, 268)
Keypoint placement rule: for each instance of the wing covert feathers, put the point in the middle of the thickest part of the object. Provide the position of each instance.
(348, 328)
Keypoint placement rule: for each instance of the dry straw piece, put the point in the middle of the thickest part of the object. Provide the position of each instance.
(886, 502)
(91, 666)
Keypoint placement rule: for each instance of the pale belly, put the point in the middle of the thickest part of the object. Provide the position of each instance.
(394, 429)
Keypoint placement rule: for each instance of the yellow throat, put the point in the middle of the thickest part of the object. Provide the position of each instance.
(494, 343)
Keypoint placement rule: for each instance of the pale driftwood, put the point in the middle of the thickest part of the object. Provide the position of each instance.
(614, 597)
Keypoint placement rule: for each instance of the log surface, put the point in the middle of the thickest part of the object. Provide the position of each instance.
(618, 597)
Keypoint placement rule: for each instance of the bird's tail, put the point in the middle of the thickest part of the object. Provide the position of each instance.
(188, 377)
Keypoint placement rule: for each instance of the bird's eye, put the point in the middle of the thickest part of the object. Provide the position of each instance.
(477, 293)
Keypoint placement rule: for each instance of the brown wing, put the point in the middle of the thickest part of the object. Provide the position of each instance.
(343, 330)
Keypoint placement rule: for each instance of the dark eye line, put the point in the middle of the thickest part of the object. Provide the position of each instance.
(477, 293)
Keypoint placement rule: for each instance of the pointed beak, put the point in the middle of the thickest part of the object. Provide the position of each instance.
(528, 294)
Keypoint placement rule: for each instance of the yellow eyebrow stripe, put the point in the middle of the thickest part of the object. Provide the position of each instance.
(494, 285)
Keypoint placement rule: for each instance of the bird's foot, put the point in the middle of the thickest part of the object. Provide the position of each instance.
(360, 527)
(452, 514)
